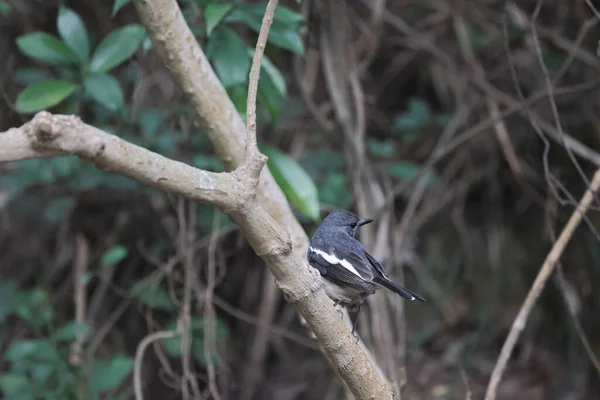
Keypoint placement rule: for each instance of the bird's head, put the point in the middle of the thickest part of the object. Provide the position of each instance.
(345, 221)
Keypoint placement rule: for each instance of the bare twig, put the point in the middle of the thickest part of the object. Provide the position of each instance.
(82, 258)
(253, 159)
(209, 312)
(139, 357)
(539, 284)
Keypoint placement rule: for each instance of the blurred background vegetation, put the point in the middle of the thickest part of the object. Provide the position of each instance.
(467, 204)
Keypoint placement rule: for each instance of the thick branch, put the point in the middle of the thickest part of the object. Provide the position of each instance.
(48, 134)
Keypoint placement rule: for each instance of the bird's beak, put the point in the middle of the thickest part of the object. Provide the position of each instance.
(364, 221)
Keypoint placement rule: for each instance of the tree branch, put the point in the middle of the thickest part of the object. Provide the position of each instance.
(216, 114)
(538, 285)
(47, 134)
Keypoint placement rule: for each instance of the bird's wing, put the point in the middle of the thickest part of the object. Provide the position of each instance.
(378, 267)
(341, 260)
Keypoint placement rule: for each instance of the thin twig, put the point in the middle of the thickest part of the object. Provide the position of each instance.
(82, 258)
(253, 159)
(139, 357)
(538, 286)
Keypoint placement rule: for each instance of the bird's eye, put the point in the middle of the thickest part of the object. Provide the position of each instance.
(353, 225)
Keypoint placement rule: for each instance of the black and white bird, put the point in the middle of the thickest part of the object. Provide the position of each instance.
(350, 273)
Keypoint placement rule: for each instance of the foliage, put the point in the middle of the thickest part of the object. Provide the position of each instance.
(77, 70)
(39, 367)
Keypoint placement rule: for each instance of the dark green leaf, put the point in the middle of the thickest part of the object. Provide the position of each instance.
(379, 148)
(153, 296)
(73, 32)
(5, 8)
(229, 56)
(108, 375)
(105, 89)
(45, 47)
(9, 298)
(297, 185)
(70, 331)
(150, 120)
(34, 307)
(416, 117)
(407, 170)
(209, 163)
(117, 5)
(114, 255)
(117, 47)
(13, 384)
(214, 14)
(35, 350)
(43, 95)
(29, 76)
(239, 96)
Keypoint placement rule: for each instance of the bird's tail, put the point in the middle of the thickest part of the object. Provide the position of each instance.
(380, 280)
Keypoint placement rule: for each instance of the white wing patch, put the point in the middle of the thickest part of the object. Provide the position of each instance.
(332, 259)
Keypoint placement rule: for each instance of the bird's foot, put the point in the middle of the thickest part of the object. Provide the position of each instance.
(340, 311)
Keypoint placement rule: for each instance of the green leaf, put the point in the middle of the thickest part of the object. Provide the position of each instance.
(416, 117)
(117, 47)
(108, 375)
(239, 97)
(5, 8)
(9, 298)
(153, 296)
(43, 95)
(45, 47)
(379, 148)
(284, 30)
(295, 182)
(70, 331)
(229, 56)
(13, 384)
(114, 255)
(73, 32)
(117, 5)
(105, 89)
(28, 76)
(406, 170)
(214, 13)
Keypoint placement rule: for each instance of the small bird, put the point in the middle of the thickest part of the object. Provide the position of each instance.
(350, 273)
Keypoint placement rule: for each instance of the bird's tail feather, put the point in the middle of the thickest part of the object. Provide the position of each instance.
(380, 280)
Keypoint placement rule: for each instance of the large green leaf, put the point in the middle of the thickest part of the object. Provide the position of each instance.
(105, 89)
(108, 375)
(230, 57)
(117, 47)
(117, 5)
(73, 32)
(214, 13)
(45, 47)
(43, 95)
(284, 30)
(295, 182)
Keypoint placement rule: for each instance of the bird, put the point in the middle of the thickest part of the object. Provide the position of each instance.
(350, 274)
